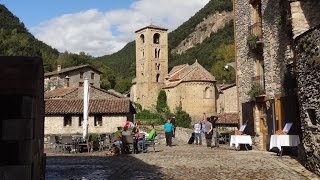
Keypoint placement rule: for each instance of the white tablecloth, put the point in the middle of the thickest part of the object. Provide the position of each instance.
(240, 139)
(284, 140)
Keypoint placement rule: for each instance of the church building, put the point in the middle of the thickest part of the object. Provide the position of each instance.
(190, 86)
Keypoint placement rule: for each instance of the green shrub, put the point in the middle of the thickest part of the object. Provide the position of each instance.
(252, 41)
(255, 91)
(183, 119)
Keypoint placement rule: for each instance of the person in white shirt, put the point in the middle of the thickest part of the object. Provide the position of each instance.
(197, 133)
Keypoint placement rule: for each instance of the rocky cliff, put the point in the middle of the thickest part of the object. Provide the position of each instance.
(211, 24)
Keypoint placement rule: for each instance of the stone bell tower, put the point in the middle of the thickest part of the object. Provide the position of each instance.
(151, 65)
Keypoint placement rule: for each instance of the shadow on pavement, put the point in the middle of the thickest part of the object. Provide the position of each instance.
(100, 167)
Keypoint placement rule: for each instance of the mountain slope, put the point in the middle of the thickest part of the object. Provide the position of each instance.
(123, 61)
(15, 40)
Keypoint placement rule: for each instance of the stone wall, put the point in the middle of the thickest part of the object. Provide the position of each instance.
(59, 80)
(308, 76)
(54, 125)
(227, 101)
(305, 15)
(192, 98)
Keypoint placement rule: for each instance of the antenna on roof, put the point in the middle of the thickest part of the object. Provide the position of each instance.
(150, 21)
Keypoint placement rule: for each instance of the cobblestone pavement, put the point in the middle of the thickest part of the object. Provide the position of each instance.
(182, 161)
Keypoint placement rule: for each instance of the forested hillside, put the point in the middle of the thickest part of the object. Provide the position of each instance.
(123, 61)
(118, 69)
(15, 40)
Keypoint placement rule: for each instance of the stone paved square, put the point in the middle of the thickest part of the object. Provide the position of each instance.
(178, 162)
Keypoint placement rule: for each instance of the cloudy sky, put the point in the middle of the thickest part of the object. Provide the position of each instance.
(98, 27)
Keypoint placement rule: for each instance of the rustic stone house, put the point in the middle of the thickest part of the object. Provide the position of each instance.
(306, 30)
(71, 77)
(190, 86)
(64, 109)
(264, 58)
(227, 106)
(268, 56)
(65, 116)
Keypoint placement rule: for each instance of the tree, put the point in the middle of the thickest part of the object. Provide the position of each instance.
(183, 119)
(224, 54)
(162, 106)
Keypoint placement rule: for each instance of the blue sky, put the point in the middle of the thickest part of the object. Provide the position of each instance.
(98, 27)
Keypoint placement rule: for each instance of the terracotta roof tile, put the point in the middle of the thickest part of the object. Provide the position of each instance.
(186, 73)
(96, 106)
(151, 26)
(69, 69)
(59, 93)
(228, 118)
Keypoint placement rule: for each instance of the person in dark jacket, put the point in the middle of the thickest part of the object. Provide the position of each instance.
(173, 122)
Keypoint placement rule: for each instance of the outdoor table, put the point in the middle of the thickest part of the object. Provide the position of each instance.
(279, 141)
(240, 139)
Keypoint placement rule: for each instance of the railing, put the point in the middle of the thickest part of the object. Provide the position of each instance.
(256, 29)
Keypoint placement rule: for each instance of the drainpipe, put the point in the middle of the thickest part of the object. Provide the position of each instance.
(85, 107)
(273, 116)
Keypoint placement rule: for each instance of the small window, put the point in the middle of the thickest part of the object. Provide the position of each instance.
(92, 75)
(156, 38)
(91, 84)
(98, 120)
(208, 93)
(159, 54)
(80, 84)
(67, 121)
(158, 77)
(142, 38)
(80, 120)
(155, 53)
(81, 75)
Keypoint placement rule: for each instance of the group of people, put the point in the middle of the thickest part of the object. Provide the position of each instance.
(206, 127)
(141, 139)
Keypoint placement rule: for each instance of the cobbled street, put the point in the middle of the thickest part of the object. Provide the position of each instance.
(182, 161)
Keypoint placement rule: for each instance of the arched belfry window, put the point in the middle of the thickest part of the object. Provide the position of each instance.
(156, 38)
(155, 53)
(158, 78)
(159, 53)
(142, 38)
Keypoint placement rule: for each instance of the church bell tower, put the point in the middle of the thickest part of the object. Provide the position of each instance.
(151, 64)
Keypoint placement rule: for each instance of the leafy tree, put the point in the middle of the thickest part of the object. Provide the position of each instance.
(123, 85)
(224, 54)
(162, 106)
(183, 119)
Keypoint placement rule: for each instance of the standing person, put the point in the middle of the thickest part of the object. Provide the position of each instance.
(213, 121)
(197, 133)
(208, 132)
(173, 122)
(203, 129)
(168, 129)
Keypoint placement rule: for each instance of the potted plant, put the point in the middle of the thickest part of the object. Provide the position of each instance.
(252, 41)
(255, 91)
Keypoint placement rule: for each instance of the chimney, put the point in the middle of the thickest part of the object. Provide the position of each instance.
(59, 68)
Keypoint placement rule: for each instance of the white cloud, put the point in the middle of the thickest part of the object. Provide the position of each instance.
(91, 31)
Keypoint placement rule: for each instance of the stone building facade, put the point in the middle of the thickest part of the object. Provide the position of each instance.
(64, 111)
(264, 56)
(278, 59)
(193, 88)
(190, 86)
(71, 77)
(308, 76)
(65, 116)
(151, 65)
